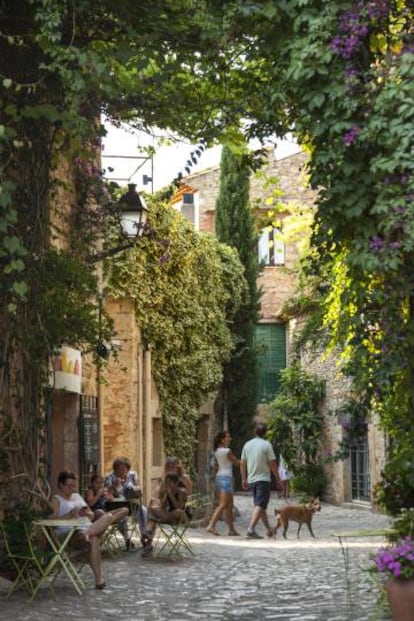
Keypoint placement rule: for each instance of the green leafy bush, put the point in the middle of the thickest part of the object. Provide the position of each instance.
(309, 479)
(395, 491)
(295, 425)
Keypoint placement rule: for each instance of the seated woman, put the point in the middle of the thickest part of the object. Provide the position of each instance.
(123, 483)
(170, 505)
(69, 504)
(97, 495)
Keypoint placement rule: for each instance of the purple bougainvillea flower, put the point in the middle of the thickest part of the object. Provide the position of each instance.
(352, 134)
(396, 561)
(376, 243)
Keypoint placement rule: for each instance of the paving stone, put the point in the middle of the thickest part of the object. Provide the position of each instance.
(229, 578)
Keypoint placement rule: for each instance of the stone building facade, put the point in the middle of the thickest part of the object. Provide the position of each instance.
(278, 283)
(352, 479)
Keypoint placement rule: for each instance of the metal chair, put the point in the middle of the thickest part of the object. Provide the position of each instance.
(128, 526)
(25, 555)
(172, 540)
(112, 541)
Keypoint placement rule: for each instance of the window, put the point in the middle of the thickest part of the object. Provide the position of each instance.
(270, 341)
(271, 247)
(188, 206)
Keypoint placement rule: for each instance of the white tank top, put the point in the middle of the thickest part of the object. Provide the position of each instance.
(225, 467)
(75, 502)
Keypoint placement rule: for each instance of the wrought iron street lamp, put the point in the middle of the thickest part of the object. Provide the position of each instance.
(133, 213)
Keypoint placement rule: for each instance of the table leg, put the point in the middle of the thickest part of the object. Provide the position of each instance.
(345, 554)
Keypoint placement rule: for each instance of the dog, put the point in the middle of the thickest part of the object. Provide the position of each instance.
(297, 513)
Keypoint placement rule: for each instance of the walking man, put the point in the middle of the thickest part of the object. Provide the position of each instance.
(257, 463)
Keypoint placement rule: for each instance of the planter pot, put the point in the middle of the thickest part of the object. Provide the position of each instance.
(400, 594)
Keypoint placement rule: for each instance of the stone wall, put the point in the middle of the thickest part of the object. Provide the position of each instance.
(277, 286)
(290, 172)
(377, 442)
(326, 367)
(316, 361)
(121, 398)
(277, 282)
(131, 420)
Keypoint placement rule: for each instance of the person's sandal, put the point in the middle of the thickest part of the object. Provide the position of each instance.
(212, 530)
(233, 533)
(100, 586)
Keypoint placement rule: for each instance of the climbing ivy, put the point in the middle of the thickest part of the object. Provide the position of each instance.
(187, 289)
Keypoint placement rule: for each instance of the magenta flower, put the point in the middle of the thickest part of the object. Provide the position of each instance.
(396, 561)
(352, 135)
(376, 244)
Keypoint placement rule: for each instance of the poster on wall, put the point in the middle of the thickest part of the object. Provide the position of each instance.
(67, 370)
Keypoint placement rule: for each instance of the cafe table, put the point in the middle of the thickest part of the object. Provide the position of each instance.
(344, 539)
(60, 559)
(134, 505)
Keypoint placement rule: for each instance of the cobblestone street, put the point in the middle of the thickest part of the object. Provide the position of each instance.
(229, 578)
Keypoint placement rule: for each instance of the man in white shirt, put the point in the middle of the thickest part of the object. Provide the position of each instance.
(257, 463)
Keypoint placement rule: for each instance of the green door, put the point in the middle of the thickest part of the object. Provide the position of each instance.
(270, 341)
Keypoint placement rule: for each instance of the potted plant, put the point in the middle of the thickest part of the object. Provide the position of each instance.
(395, 562)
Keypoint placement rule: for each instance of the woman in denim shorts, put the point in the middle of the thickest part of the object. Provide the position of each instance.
(224, 483)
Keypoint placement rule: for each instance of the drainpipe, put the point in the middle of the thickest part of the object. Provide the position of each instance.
(140, 421)
(148, 457)
(100, 387)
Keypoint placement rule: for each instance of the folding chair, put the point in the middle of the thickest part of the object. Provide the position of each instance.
(172, 540)
(134, 531)
(28, 562)
(112, 540)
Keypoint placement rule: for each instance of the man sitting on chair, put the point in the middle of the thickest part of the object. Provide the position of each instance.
(169, 506)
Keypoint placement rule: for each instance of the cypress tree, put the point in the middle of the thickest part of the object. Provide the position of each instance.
(237, 399)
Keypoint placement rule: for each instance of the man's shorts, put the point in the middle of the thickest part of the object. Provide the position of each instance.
(224, 483)
(261, 493)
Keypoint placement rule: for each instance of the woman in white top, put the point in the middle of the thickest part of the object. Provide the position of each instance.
(224, 483)
(69, 504)
(285, 476)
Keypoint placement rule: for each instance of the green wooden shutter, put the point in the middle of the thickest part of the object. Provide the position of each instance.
(270, 340)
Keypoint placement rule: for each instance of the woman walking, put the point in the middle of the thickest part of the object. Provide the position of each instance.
(224, 483)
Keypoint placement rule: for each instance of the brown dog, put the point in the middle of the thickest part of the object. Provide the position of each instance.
(297, 513)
